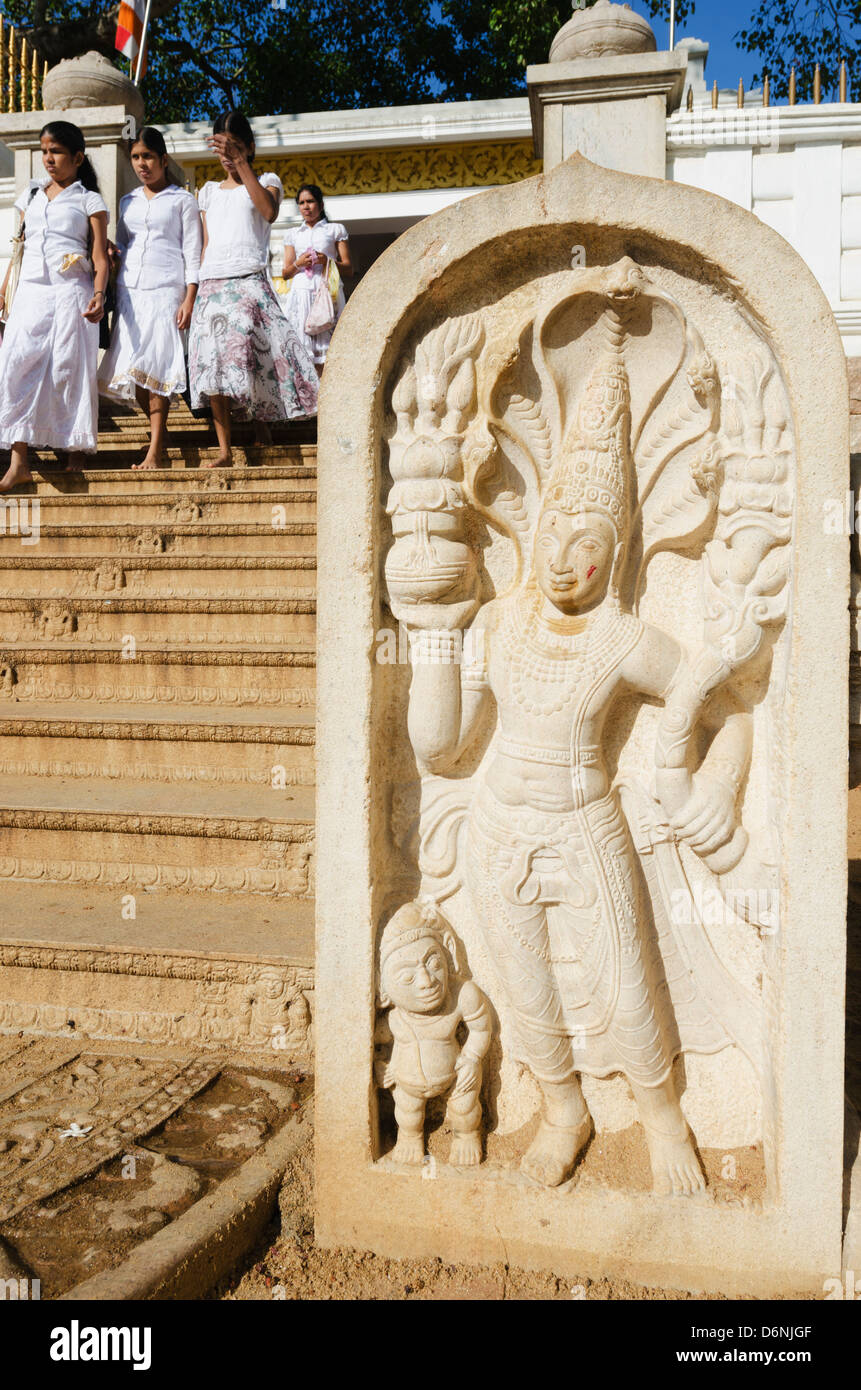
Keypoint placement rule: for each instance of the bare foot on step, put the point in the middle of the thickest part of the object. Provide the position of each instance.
(12, 479)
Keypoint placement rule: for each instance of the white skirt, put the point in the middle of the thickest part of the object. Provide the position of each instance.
(297, 306)
(48, 361)
(146, 345)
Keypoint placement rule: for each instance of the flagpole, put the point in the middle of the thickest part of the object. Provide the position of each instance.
(143, 42)
(672, 21)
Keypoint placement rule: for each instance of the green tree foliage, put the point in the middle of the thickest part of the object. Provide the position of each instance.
(282, 56)
(802, 33)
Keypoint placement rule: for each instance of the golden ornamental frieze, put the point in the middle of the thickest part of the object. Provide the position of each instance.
(476, 164)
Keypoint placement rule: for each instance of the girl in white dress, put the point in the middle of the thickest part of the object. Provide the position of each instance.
(48, 359)
(159, 236)
(242, 351)
(308, 252)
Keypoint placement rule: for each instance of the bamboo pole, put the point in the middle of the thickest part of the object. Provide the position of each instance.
(817, 85)
(2, 66)
(690, 99)
(843, 82)
(792, 97)
(739, 101)
(766, 91)
(714, 95)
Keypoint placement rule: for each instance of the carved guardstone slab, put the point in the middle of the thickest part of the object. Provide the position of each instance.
(581, 744)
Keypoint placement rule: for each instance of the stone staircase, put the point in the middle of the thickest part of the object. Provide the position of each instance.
(157, 744)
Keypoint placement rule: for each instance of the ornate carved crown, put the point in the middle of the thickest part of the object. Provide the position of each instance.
(594, 472)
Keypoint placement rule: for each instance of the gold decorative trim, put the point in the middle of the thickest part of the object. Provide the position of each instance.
(476, 164)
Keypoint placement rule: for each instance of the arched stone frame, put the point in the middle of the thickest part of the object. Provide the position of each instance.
(483, 246)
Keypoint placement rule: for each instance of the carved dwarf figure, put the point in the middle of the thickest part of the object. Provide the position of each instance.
(427, 1008)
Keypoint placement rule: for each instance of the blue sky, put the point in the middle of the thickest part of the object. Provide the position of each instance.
(715, 21)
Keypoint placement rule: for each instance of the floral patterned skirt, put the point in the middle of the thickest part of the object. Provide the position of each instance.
(242, 345)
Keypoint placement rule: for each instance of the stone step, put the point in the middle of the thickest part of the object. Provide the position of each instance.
(155, 576)
(161, 506)
(293, 538)
(226, 678)
(121, 452)
(219, 969)
(227, 925)
(297, 471)
(181, 422)
(129, 835)
(164, 621)
(182, 744)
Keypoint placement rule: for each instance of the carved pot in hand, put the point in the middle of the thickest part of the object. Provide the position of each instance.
(423, 567)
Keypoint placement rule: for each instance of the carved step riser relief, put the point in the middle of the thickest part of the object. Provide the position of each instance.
(131, 863)
(184, 584)
(165, 760)
(116, 480)
(206, 508)
(239, 687)
(160, 629)
(168, 540)
(150, 997)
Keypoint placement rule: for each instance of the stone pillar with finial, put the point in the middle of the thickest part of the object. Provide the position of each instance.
(103, 102)
(606, 92)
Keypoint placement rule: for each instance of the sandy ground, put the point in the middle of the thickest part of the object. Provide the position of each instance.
(289, 1266)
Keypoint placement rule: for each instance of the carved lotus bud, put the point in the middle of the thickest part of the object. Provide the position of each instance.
(428, 458)
(424, 495)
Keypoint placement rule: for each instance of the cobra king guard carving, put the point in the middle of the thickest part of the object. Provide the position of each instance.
(594, 975)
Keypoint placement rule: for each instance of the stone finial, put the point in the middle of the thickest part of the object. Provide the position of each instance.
(602, 30)
(90, 80)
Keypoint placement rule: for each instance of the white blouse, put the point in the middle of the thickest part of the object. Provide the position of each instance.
(237, 234)
(57, 231)
(323, 236)
(161, 238)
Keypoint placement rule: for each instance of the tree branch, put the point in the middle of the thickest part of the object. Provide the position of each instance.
(182, 48)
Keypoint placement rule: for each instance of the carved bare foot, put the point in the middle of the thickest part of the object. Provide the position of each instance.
(465, 1150)
(410, 1148)
(676, 1169)
(554, 1150)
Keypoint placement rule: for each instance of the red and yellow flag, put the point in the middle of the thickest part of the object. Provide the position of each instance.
(130, 28)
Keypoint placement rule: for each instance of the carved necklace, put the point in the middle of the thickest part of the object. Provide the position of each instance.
(549, 658)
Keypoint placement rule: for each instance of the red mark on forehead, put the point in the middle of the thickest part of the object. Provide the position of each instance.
(590, 571)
